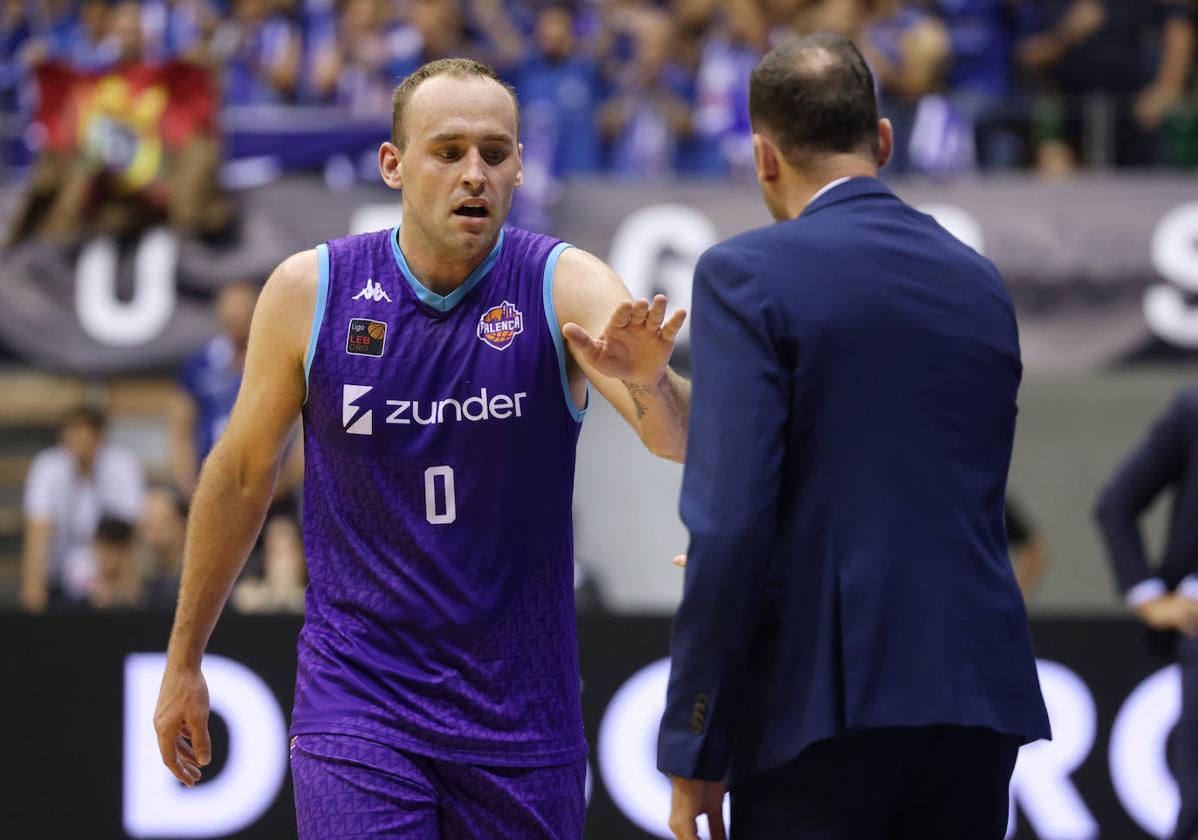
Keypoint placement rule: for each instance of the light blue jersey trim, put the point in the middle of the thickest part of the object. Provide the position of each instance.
(555, 330)
(322, 298)
(444, 303)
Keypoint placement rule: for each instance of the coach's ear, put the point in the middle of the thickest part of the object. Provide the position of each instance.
(520, 159)
(766, 159)
(389, 159)
(885, 142)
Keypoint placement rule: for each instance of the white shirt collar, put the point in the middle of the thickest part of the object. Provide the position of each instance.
(828, 186)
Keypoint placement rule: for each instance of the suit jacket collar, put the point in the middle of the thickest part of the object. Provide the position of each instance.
(849, 189)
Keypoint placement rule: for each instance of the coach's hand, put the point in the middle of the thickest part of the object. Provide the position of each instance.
(181, 721)
(691, 798)
(1171, 612)
(636, 344)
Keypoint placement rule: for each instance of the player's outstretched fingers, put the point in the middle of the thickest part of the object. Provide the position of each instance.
(621, 316)
(657, 313)
(640, 311)
(580, 340)
(669, 330)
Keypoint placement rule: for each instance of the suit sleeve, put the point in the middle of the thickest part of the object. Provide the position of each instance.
(1151, 467)
(739, 406)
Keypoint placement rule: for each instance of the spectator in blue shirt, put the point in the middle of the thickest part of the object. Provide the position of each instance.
(87, 45)
(908, 52)
(350, 64)
(16, 33)
(983, 35)
(259, 52)
(729, 54)
(559, 89)
(181, 29)
(651, 109)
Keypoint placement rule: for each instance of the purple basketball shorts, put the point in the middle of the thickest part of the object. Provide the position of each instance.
(347, 787)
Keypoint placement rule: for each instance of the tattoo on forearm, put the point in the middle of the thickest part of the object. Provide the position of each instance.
(637, 392)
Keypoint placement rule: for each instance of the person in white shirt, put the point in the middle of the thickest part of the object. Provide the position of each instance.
(68, 489)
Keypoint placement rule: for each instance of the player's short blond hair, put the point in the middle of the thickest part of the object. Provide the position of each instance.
(459, 68)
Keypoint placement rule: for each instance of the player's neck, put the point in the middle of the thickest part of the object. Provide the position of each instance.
(438, 272)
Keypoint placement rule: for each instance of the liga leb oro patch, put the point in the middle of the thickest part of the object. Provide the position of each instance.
(499, 325)
(366, 337)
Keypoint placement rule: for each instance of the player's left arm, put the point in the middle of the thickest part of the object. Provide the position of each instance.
(623, 346)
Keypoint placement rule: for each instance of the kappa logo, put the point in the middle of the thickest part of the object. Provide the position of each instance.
(499, 325)
(372, 291)
(355, 423)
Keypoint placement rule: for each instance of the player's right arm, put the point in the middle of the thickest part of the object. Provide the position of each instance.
(231, 498)
(183, 452)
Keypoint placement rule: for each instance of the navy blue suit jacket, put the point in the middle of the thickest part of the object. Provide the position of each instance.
(852, 415)
(1166, 459)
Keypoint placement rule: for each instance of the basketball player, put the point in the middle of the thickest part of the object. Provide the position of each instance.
(437, 693)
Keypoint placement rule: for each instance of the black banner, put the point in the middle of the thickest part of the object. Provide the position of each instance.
(1101, 269)
(81, 760)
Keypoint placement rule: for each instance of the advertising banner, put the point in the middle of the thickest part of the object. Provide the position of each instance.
(81, 758)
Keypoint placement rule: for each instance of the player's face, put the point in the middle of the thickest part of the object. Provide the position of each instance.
(461, 163)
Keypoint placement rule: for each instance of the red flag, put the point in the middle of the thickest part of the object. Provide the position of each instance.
(123, 149)
(127, 120)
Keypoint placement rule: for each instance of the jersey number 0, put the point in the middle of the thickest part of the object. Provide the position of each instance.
(430, 496)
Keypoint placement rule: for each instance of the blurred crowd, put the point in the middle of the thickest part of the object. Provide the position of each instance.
(642, 88)
(102, 535)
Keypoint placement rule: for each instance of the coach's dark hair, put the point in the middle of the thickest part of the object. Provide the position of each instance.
(815, 95)
(459, 68)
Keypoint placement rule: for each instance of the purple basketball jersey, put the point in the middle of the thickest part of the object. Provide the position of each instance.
(439, 438)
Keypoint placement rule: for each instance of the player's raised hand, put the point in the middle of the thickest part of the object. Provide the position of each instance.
(636, 344)
(181, 721)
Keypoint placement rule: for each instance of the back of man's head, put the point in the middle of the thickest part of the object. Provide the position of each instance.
(813, 97)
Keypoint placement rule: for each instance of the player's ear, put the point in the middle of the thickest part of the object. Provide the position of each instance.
(520, 160)
(390, 157)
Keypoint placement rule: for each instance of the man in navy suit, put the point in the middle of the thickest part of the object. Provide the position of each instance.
(851, 656)
(1166, 598)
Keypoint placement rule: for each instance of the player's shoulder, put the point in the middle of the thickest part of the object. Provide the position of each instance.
(523, 246)
(296, 276)
(374, 239)
(577, 261)
(287, 302)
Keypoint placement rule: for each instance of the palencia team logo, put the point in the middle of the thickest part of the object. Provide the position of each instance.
(499, 325)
